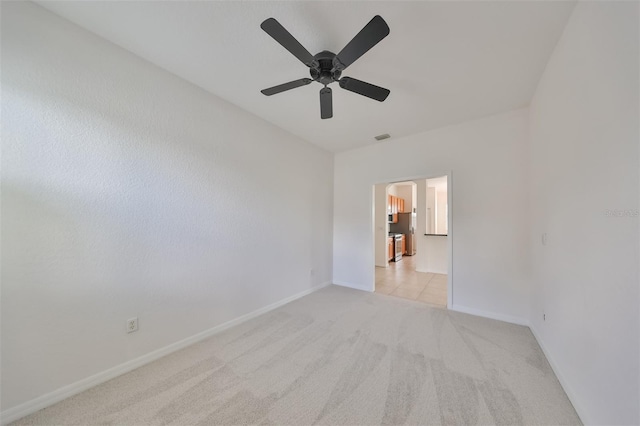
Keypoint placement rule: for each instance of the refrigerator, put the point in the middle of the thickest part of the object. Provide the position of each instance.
(406, 225)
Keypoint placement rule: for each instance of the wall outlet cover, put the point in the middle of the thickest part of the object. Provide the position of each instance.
(132, 325)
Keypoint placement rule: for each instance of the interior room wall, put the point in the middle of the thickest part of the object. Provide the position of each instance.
(404, 192)
(127, 192)
(436, 255)
(422, 227)
(490, 230)
(441, 211)
(431, 209)
(414, 197)
(584, 168)
(381, 224)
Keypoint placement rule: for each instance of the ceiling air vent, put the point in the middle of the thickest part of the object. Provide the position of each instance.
(383, 137)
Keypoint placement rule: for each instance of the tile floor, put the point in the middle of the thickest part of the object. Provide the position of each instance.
(401, 280)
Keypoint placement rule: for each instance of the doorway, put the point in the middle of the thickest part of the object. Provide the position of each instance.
(414, 217)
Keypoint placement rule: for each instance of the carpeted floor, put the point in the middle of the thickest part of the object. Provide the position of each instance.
(338, 356)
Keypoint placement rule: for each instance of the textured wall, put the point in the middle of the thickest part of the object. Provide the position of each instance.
(584, 162)
(129, 192)
(490, 229)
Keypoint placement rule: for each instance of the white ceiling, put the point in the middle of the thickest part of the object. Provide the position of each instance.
(444, 62)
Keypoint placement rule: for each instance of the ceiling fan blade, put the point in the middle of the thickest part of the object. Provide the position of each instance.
(282, 36)
(326, 103)
(286, 86)
(369, 36)
(365, 89)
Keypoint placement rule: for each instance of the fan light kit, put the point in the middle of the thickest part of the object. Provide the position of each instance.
(326, 67)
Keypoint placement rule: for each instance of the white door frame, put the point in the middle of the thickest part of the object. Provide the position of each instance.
(372, 257)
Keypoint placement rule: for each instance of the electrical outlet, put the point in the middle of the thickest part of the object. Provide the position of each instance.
(312, 272)
(132, 325)
(544, 239)
(544, 317)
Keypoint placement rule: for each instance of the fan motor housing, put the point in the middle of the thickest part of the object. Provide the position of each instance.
(325, 73)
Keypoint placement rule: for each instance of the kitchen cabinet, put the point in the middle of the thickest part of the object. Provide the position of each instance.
(390, 248)
(404, 244)
(391, 209)
(395, 204)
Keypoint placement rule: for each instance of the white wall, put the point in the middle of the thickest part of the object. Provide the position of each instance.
(414, 197)
(436, 254)
(421, 225)
(431, 212)
(404, 192)
(441, 212)
(584, 161)
(490, 231)
(129, 192)
(381, 225)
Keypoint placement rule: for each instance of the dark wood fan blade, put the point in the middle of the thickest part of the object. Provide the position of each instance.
(286, 86)
(369, 36)
(365, 89)
(326, 103)
(282, 36)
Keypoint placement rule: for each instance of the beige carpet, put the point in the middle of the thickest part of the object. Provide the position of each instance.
(338, 356)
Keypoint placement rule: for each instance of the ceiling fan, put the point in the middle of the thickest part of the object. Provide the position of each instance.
(326, 67)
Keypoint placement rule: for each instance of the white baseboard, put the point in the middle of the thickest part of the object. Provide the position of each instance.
(353, 286)
(563, 382)
(491, 315)
(29, 407)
